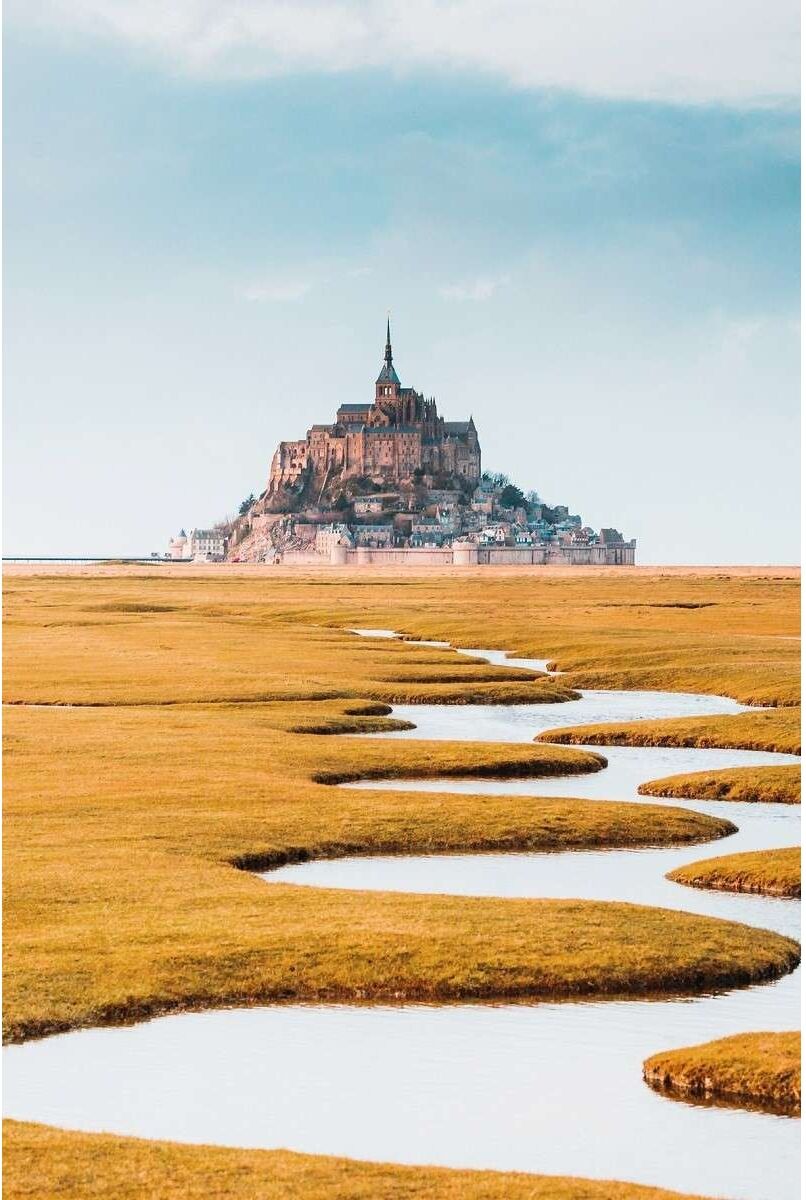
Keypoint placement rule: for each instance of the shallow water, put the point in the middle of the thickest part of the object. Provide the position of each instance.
(634, 875)
(552, 1088)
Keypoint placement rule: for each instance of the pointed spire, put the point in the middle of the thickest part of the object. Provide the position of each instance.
(388, 373)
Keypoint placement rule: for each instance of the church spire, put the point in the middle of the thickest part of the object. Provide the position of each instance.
(388, 354)
(388, 374)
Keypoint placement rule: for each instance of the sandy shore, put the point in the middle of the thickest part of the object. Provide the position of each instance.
(217, 570)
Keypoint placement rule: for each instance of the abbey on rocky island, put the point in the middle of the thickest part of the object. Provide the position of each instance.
(391, 481)
(396, 437)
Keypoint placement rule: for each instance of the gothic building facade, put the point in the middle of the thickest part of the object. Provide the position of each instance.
(386, 439)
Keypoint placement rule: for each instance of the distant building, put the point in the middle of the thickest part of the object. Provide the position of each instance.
(328, 536)
(177, 547)
(373, 535)
(206, 545)
(375, 503)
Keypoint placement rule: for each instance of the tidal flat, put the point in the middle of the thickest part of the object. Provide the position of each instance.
(169, 729)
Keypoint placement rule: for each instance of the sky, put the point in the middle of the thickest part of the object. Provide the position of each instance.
(583, 219)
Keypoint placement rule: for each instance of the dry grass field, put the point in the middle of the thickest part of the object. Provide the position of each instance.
(735, 633)
(747, 1070)
(767, 872)
(42, 1163)
(750, 785)
(166, 727)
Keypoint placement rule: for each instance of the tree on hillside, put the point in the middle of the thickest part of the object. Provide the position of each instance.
(496, 478)
(512, 497)
(246, 504)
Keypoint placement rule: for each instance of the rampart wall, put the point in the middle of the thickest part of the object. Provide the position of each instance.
(471, 555)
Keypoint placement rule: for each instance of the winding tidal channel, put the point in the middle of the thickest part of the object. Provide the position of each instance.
(554, 1088)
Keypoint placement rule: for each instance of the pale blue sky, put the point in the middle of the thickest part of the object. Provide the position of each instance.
(594, 253)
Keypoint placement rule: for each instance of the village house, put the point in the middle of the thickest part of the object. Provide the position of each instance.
(376, 503)
(207, 545)
(328, 536)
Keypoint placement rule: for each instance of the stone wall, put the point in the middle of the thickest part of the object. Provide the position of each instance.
(598, 555)
(407, 556)
(468, 554)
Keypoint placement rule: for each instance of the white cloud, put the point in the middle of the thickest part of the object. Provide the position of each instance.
(742, 52)
(475, 290)
(276, 291)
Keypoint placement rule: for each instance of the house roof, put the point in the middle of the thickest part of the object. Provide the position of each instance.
(388, 374)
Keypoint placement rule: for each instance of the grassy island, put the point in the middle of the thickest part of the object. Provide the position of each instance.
(748, 785)
(775, 730)
(768, 872)
(471, 691)
(748, 1070)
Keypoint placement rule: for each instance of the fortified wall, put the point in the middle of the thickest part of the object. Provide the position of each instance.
(471, 555)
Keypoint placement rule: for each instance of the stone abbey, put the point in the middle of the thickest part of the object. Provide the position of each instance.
(391, 481)
(397, 436)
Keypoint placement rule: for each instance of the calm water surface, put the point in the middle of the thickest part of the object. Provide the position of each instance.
(552, 1088)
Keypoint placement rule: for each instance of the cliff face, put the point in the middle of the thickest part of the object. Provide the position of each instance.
(258, 537)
